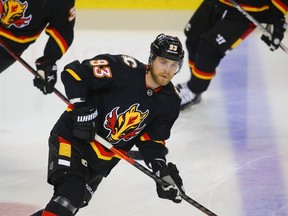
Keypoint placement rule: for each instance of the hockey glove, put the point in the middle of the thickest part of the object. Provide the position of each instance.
(277, 29)
(170, 174)
(84, 118)
(47, 76)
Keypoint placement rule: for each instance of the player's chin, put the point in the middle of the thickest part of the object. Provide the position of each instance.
(164, 82)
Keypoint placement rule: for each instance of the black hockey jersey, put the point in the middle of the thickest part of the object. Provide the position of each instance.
(22, 21)
(279, 6)
(129, 112)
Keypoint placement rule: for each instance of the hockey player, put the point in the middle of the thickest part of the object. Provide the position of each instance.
(22, 22)
(217, 27)
(128, 103)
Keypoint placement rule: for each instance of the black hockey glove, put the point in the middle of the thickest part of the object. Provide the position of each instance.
(277, 28)
(170, 174)
(84, 117)
(47, 76)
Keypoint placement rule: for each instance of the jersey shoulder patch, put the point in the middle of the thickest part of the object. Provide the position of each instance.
(129, 61)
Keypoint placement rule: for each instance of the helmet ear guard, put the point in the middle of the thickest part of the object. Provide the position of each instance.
(168, 47)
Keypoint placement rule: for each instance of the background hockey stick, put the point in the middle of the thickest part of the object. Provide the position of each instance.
(110, 146)
(256, 23)
(150, 174)
(34, 72)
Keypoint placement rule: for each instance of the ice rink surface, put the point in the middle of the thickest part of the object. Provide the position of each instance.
(231, 149)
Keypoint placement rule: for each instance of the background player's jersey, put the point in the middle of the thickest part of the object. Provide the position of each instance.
(22, 21)
(261, 5)
(129, 112)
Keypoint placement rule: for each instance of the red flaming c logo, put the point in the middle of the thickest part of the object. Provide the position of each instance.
(12, 13)
(126, 125)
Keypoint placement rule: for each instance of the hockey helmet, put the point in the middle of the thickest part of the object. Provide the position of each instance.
(167, 47)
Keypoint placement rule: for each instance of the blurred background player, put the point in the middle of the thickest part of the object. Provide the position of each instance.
(217, 27)
(128, 103)
(22, 22)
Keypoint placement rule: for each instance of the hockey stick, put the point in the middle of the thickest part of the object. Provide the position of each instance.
(256, 23)
(34, 72)
(150, 174)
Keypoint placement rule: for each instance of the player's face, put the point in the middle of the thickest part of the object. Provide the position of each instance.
(163, 70)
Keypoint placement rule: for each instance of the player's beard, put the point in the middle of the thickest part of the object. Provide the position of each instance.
(159, 79)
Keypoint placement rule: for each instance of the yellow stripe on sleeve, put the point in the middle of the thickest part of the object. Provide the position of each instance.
(73, 74)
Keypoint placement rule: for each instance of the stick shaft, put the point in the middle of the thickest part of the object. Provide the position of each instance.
(150, 174)
(256, 23)
(32, 70)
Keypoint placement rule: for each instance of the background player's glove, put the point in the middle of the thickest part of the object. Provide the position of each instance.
(277, 28)
(48, 76)
(170, 174)
(84, 117)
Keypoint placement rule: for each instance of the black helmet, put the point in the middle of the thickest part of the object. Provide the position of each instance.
(167, 47)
